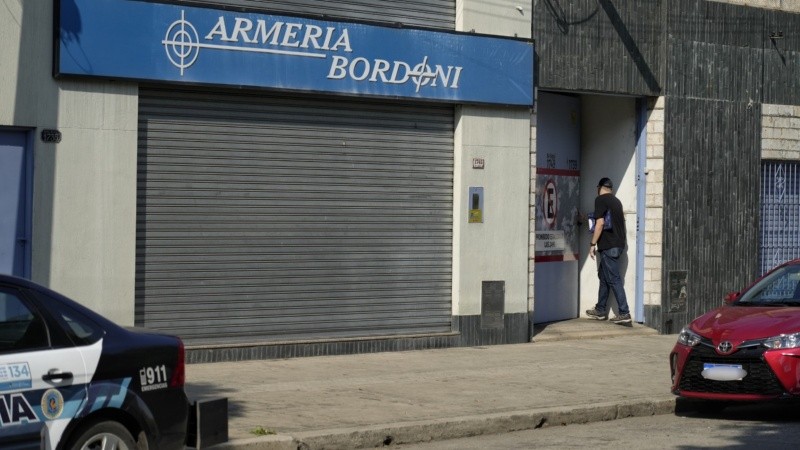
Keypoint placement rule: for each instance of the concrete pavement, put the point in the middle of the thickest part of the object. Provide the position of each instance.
(581, 371)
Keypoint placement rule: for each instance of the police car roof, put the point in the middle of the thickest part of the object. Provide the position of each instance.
(28, 284)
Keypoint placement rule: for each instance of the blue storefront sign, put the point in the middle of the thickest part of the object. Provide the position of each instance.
(139, 40)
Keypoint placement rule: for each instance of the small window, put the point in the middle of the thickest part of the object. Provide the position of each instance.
(20, 328)
(80, 329)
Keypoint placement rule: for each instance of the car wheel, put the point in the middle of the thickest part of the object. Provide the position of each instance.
(104, 436)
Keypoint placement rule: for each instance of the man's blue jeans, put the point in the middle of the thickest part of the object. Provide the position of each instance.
(610, 280)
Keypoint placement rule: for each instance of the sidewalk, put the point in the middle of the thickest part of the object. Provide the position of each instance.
(364, 401)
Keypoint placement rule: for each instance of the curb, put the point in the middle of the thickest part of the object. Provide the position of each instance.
(454, 428)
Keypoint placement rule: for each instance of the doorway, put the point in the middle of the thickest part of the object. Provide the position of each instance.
(15, 201)
(580, 139)
(558, 177)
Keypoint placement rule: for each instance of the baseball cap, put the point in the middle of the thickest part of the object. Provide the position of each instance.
(605, 182)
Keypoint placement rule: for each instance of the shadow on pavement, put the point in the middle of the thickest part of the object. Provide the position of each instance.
(208, 391)
(787, 410)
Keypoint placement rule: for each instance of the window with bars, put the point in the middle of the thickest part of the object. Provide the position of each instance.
(780, 213)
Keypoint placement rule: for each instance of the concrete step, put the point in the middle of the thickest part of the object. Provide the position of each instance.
(584, 328)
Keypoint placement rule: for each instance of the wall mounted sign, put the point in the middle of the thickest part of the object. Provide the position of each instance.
(678, 290)
(550, 203)
(51, 136)
(550, 241)
(139, 40)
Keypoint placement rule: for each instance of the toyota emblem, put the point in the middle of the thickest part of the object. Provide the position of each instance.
(725, 347)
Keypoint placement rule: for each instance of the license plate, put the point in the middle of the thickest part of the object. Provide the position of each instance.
(712, 365)
(723, 372)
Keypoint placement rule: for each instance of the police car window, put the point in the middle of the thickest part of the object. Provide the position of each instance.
(80, 329)
(20, 328)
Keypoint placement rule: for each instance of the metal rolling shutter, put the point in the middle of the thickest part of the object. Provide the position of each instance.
(276, 217)
(422, 13)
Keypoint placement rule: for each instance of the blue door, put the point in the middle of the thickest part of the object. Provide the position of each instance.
(14, 203)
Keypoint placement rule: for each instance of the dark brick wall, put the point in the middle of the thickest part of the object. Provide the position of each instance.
(467, 332)
(614, 46)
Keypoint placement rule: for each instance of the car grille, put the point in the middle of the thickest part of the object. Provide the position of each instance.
(759, 379)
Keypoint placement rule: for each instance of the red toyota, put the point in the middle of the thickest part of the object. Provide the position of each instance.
(749, 348)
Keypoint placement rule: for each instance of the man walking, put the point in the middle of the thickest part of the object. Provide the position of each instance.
(608, 243)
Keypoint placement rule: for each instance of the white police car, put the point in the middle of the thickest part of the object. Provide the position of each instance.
(71, 379)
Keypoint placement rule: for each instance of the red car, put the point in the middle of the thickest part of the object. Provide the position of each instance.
(747, 349)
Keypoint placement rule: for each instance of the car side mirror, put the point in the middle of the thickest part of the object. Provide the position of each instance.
(731, 297)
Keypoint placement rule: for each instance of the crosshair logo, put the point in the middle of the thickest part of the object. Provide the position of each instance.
(182, 43)
(422, 74)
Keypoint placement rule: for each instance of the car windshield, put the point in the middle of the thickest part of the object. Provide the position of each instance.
(780, 288)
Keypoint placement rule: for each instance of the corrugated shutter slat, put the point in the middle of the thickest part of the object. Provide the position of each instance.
(423, 13)
(269, 217)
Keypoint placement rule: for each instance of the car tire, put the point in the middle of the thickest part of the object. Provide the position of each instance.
(103, 435)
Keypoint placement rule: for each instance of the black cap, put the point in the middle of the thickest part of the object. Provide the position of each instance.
(605, 182)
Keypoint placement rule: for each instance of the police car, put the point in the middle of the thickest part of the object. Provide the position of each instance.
(71, 379)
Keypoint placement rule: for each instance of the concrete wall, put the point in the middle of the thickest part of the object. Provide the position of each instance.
(608, 149)
(498, 17)
(498, 248)
(84, 216)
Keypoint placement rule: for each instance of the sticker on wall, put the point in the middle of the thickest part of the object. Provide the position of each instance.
(550, 241)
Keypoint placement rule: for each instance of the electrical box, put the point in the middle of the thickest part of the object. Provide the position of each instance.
(475, 205)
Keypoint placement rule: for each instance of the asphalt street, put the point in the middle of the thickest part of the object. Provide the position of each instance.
(773, 426)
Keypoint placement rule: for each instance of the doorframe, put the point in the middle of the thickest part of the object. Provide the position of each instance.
(641, 204)
(27, 198)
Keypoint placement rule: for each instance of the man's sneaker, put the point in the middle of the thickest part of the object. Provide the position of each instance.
(622, 318)
(595, 314)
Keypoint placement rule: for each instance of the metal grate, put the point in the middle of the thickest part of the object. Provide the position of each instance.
(759, 378)
(780, 213)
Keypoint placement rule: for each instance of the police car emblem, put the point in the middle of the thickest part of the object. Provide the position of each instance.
(52, 404)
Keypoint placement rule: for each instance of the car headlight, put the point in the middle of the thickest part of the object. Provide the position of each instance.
(783, 341)
(689, 337)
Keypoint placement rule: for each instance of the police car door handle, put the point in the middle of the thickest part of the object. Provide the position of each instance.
(55, 375)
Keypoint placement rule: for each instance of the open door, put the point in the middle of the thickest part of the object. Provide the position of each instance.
(558, 225)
